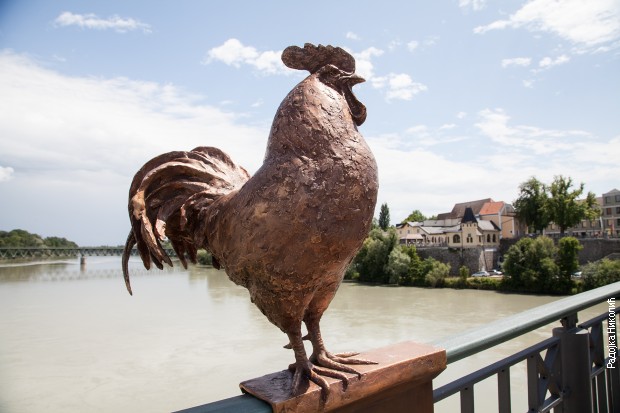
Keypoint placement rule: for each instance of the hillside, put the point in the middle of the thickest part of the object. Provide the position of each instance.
(18, 238)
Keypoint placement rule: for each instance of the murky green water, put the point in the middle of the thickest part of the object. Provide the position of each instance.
(73, 340)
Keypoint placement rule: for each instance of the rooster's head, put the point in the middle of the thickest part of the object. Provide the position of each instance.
(334, 67)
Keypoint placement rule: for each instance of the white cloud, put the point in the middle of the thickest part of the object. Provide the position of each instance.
(79, 140)
(412, 45)
(474, 4)
(494, 124)
(233, 53)
(91, 21)
(516, 61)
(6, 173)
(399, 86)
(461, 115)
(587, 24)
(363, 61)
(352, 36)
(548, 62)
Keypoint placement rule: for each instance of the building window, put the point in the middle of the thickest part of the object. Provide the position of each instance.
(488, 237)
(617, 198)
(456, 239)
(617, 210)
(469, 239)
(607, 200)
(607, 211)
(494, 239)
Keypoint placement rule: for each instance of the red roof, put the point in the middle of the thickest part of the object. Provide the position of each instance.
(491, 208)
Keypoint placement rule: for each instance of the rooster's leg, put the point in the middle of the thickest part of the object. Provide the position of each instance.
(321, 357)
(304, 370)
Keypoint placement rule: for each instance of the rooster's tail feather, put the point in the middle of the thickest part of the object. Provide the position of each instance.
(158, 194)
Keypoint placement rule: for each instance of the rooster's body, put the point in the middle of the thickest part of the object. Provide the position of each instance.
(287, 233)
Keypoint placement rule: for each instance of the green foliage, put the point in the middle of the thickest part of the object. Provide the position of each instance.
(568, 256)
(384, 217)
(372, 259)
(415, 216)
(398, 266)
(530, 205)
(539, 204)
(600, 273)
(437, 272)
(563, 205)
(18, 238)
(536, 265)
(415, 273)
(381, 260)
(463, 274)
(203, 257)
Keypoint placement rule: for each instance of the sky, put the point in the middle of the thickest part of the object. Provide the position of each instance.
(466, 99)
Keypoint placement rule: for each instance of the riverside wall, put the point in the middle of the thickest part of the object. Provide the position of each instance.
(476, 259)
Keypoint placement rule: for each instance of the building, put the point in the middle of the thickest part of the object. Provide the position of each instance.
(610, 213)
(503, 215)
(464, 232)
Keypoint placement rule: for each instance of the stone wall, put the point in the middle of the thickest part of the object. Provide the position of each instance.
(594, 249)
(476, 258)
(473, 258)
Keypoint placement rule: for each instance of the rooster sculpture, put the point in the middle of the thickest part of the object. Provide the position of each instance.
(288, 232)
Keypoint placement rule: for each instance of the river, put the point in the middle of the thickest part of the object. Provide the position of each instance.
(73, 340)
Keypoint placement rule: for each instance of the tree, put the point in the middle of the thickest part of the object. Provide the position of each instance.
(384, 217)
(564, 207)
(530, 206)
(568, 256)
(415, 216)
(18, 238)
(397, 267)
(436, 271)
(372, 259)
(536, 265)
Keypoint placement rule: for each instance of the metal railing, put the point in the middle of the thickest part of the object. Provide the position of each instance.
(571, 377)
(575, 354)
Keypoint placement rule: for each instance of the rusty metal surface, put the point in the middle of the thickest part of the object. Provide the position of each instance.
(404, 365)
(287, 233)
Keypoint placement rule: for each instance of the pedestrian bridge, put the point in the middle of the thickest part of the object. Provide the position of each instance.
(50, 252)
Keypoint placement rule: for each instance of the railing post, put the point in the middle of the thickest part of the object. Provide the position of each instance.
(576, 366)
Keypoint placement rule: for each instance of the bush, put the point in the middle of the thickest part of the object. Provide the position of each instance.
(203, 257)
(437, 272)
(536, 265)
(600, 273)
(398, 266)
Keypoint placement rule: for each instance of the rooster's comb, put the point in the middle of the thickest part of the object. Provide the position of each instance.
(312, 58)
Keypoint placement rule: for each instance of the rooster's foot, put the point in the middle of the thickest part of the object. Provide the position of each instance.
(339, 361)
(307, 371)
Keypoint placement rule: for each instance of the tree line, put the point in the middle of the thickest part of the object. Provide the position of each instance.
(19, 238)
(382, 260)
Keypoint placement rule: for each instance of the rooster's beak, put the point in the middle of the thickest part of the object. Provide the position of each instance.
(354, 79)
